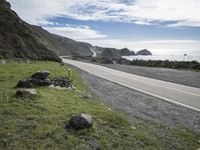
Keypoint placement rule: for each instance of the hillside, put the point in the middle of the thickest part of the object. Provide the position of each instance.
(62, 45)
(18, 39)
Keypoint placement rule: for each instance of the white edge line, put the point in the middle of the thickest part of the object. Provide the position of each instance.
(154, 95)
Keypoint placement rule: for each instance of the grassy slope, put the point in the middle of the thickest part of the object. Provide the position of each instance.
(39, 123)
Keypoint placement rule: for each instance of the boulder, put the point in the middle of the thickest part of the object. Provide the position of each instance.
(33, 82)
(38, 82)
(41, 75)
(25, 84)
(80, 122)
(61, 82)
(26, 92)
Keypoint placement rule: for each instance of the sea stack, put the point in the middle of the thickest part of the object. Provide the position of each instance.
(144, 52)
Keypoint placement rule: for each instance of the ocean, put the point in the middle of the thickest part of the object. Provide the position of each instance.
(165, 57)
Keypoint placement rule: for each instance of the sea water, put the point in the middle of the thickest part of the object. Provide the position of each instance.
(165, 57)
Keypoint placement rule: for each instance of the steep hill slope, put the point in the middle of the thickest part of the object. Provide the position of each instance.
(62, 45)
(17, 40)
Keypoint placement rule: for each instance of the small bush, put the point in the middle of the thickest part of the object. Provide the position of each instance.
(168, 64)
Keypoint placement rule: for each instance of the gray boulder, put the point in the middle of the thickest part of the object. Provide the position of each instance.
(80, 122)
(41, 75)
(26, 93)
(25, 84)
(38, 82)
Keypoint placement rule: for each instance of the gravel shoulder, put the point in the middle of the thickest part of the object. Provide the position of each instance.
(141, 106)
(189, 78)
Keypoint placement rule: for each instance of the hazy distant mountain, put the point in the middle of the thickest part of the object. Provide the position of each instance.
(18, 39)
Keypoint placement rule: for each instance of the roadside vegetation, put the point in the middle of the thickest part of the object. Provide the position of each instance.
(194, 65)
(39, 123)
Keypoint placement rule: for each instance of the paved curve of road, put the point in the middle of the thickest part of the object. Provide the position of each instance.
(175, 93)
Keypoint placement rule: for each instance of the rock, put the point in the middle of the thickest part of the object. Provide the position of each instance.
(2, 61)
(33, 82)
(38, 82)
(25, 92)
(82, 121)
(24, 84)
(144, 52)
(61, 82)
(41, 75)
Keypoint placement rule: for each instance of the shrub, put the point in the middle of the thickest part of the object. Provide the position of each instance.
(168, 64)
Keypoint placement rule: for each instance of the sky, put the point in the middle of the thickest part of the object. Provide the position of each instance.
(165, 27)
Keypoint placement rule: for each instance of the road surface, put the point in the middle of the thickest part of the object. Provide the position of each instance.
(179, 94)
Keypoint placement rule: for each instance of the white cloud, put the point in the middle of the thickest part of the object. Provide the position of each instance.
(76, 32)
(182, 12)
(178, 13)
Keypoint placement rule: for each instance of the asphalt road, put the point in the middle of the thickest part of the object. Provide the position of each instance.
(179, 94)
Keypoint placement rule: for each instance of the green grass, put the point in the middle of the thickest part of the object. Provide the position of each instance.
(39, 123)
